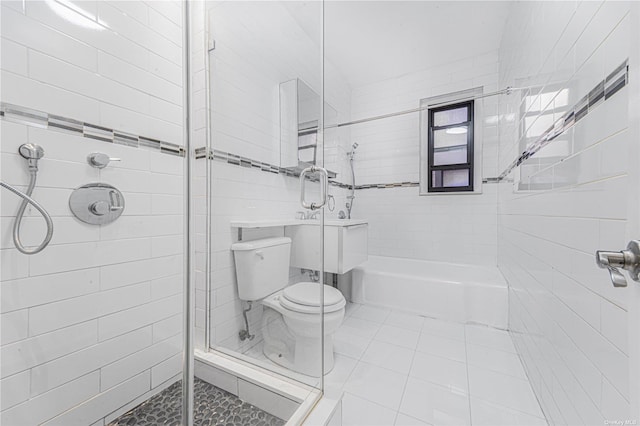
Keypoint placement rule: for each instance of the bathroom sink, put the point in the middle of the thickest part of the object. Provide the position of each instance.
(345, 244)
(333, 222)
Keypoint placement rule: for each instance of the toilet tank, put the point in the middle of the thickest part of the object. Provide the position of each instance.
(262, 266)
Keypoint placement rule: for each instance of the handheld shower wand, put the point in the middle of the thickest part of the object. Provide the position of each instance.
(353, 150)
(351, 197)
(32, 153)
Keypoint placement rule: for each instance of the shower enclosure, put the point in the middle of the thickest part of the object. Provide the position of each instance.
(103, 303)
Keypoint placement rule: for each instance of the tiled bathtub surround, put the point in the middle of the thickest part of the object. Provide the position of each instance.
(454, 218)
(92, 325)
(402, 223)
(568, 323)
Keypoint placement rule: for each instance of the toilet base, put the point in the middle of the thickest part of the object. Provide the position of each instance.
(296, 353)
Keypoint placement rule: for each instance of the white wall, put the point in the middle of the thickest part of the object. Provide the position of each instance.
(249, 62)
(92, 325)
(402, 223)
(568, 322)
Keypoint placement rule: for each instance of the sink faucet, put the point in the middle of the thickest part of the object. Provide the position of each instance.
(307, 215)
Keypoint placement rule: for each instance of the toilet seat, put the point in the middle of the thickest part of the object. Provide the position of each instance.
(304, 298)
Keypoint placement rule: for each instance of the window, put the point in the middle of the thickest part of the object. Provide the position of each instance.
(450, 148)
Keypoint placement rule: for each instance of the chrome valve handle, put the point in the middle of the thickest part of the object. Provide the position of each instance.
(99, 160)
(628, 260)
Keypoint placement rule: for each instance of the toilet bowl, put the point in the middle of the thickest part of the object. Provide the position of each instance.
(291, 322)
(291, 327)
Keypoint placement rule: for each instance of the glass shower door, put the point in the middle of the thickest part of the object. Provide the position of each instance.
(264, 119)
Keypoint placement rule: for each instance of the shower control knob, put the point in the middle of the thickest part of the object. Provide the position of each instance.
(100, 208)
(96, 203)
(100, 160)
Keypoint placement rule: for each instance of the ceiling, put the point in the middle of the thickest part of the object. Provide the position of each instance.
(370, 41)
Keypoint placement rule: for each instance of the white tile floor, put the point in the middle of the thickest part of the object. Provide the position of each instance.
(401, 369)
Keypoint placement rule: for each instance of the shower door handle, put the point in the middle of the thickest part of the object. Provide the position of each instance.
(324, 178)
(628, 259)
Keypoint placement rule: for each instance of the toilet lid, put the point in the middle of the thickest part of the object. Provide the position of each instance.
(307, 293)
(304, 297)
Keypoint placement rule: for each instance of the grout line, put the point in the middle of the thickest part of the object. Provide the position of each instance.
(466, 357)
(406, 382)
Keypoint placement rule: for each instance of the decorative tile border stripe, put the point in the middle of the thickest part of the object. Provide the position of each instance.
(388, 185)
(491, 180)
(600, 93)
(237, 160)
(229, 158)
(340, 184)
(409, 184)
(44, 120)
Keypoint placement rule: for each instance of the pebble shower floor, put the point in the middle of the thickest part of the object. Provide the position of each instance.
(212, 406)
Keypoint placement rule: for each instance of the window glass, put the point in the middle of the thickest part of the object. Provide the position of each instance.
(450, 178)
(308, 139)
(444, 156)
(456, 136)
(450, 148)
(454, 178)
(450, 116)
(307, 155)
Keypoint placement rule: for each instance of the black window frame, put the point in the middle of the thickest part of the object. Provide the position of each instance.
(470, 145)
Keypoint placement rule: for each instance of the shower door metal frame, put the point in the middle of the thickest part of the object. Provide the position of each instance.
(188, 307)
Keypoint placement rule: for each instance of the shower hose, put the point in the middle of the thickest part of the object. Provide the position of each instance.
(26, 199)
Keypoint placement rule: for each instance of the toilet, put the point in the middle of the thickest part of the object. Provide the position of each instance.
(291, 315)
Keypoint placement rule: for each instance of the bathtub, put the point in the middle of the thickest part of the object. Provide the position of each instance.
(454, 292)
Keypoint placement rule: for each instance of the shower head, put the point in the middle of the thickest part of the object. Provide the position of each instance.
(32, 152)
(352, 153)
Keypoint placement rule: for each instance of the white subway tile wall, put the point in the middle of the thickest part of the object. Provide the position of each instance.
(401, 223)
(568, 323)
(244, 80)
(93, 323)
